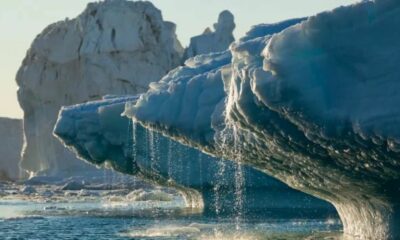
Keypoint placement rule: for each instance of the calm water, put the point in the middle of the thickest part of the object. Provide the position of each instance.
(46, 212)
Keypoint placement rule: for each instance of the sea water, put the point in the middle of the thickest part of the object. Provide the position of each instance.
(136, 211)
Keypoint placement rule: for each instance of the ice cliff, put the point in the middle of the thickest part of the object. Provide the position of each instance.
(315, 106)
(10, 148)
(213, 41)
(112, 47)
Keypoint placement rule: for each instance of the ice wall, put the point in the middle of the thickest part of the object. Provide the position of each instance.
(213, 41)
(11, 138)
(112, 47)
(315, 105)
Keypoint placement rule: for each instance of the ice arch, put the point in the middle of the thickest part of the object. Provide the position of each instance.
(98, 134)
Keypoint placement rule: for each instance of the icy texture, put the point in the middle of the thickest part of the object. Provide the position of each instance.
(98, 133)
(113, 47)
(213, 41)
(261, 30)
(315, 105)
(10, 148)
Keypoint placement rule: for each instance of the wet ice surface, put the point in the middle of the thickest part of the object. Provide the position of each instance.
(129, 210)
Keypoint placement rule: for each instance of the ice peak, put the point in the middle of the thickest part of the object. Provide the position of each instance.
(213, 41)
(113, 47)
(226, 22)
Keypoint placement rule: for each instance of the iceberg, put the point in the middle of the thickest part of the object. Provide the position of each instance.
(97, 133)
(10, 148)
(112, 47)
(315, 105)
(213, 41)
(118, 47)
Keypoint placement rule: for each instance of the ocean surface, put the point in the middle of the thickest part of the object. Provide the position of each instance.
(71, 211)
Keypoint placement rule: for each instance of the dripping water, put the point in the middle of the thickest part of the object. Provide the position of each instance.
(186, 167)
(154, 150)
(132, 147)
(232, 140)
(179, 165)
(229, 140)
(239, 179)
(219, 184)
(132, 151)
(151, 149)
(218, 187)
(150, 172)
(200, 162)
(145, 149)
(169, 160)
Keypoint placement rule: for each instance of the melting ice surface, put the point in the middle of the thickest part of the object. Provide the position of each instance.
(242, 210)
(91, 128)
(97, 133)
(315, 106)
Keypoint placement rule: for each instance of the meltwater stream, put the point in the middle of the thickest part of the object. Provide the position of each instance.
(229, 136)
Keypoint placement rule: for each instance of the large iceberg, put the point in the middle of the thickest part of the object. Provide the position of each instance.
(119, 47)
(10, 148)
(112, 47)
(315, 106)
(98, 134)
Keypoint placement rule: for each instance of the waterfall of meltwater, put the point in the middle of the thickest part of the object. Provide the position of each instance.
(230, 137)
(131, 163)
(169, 160)
(239, 179)
(219, 186)
(154, 150)
(150, 172)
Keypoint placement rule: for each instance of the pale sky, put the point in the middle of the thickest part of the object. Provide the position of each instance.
(22, 20)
